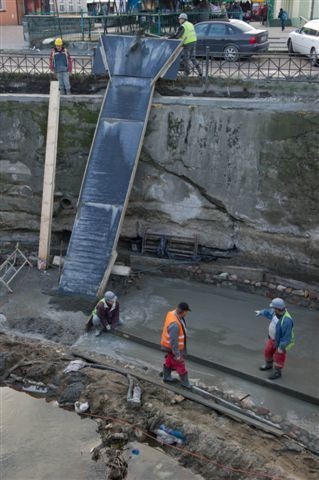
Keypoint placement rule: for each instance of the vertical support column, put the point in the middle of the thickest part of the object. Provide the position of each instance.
(49, 176)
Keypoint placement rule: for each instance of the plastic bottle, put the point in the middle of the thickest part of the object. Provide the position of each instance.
(164, 437)
(175, 433)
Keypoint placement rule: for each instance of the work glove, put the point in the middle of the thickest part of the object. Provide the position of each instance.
(257, 312)
(178, 358)
(108, 328)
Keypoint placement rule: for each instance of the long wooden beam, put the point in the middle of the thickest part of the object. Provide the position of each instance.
(49, 176)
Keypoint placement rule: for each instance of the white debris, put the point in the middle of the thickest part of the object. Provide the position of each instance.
(81, 407)
(74, 366)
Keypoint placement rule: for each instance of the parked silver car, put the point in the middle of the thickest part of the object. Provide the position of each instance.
(305, 41)
(230, 39)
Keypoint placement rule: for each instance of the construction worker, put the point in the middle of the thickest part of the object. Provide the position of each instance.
(186, 32)
(280, 337)
(173, 342)
(106, 314)
(61, 65)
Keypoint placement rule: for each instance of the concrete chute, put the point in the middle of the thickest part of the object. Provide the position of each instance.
(134, 64)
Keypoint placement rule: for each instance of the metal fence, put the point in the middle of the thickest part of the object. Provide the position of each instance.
(38, 64)
(258, 67)
(88, 27)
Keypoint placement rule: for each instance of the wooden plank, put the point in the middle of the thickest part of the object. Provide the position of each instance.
(49, 176)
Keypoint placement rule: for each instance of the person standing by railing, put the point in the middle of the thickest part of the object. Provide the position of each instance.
(61, 65)
(186, 32)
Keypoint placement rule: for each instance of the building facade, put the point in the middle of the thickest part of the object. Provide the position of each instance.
(11, 12)
(298, 11)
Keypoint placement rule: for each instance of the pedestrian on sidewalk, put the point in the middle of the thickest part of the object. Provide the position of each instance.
(186, 32)
(264, 14)
(283, 16)
(280, 337)
(106, 314)
(173, 342)
(61, 65)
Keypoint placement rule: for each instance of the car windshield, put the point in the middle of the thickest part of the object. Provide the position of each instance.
(244, 27)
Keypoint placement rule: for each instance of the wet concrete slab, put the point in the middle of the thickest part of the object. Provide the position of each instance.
(223, 328)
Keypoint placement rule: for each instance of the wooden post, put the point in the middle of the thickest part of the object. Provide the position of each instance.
(49, 176)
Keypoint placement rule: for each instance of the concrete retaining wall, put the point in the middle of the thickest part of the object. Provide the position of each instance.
(235, 172)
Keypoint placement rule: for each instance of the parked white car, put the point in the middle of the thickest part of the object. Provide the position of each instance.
(305, 40)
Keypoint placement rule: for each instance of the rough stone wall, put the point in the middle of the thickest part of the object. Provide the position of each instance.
(241, 173)
(23, 124)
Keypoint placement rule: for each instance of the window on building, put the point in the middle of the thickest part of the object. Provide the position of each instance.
(2, 5)
(61, 6)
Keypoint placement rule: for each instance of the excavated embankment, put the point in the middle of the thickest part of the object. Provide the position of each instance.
(217, 447)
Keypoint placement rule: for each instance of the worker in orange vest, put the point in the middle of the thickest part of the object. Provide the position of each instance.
(173, 342)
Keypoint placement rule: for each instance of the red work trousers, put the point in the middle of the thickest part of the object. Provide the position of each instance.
(173, 364)
(271, 354)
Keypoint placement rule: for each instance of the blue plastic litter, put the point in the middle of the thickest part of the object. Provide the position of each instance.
(135, 451)
(174, 433)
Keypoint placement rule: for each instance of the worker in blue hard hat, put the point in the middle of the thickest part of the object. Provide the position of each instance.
(186, 32)
(280, 337)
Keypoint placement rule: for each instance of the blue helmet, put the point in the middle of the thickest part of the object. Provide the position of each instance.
(278, 303)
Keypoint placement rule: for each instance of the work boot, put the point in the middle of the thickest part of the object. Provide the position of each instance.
(167, 375)
(184, 381)
(276, 374)
(267, 366)
(98, 332)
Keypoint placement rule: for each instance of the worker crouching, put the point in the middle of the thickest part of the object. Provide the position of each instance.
(106, 314)
(173, 342)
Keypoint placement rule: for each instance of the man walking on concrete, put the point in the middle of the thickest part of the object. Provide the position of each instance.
(173, 342)
(280, 337)
(61, 65)
(186, 32)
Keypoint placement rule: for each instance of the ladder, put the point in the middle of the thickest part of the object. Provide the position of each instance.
(12, 266)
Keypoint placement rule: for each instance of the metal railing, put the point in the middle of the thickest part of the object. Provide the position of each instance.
(263, 67)
(38, 64)
(258, 67)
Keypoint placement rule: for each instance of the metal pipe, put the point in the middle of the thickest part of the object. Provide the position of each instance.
(312, 8)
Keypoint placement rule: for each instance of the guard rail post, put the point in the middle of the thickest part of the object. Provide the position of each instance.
(206, 64)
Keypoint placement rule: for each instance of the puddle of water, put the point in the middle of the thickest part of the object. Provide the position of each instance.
(40, 441)
(153, 463)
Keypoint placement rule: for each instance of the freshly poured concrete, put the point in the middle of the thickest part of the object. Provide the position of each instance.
(222, 327)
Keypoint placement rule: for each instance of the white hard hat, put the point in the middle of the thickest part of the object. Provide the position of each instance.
(278, 303)
(183, 16)
(110, 296)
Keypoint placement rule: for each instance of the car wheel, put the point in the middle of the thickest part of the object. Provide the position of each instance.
(313, 57)
(290, 47)
(231, 53)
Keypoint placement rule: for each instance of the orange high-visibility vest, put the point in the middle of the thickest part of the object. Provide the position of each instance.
(172, 317)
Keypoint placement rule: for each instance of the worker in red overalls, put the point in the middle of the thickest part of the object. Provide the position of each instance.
(173, 342)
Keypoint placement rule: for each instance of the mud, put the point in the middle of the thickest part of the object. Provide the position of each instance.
(227, 449)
